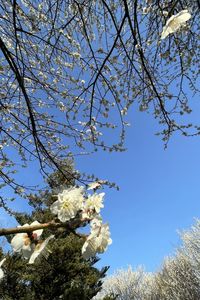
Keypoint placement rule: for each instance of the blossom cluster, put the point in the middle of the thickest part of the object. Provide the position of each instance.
(72, 203)
(30, 245)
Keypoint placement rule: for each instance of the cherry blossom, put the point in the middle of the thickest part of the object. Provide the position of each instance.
(68, 204)
(22, 242)
(93, 205)
(175, 22)
(72, 202)
(97, 241)
(96, 222)
(95, 185)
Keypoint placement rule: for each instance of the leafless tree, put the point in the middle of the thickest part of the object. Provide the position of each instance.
(70, 70)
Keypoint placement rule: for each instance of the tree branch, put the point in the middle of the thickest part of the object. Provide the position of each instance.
(71, 225)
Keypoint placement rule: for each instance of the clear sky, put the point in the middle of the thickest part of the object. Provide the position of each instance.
(159, 193)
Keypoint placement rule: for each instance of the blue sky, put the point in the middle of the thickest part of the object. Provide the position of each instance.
(159, 193)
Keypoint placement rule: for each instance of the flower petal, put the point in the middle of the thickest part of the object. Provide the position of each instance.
(175, 22)
(97, 241)
(183, 16)
(17, 241)
(1, 273)
(95, 202)
(55, 207)
(39, 249)
(2, 261)
(93, 185)
(89, 248)
(96, 222)
(38, 232)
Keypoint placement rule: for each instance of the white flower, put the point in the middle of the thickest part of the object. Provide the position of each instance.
(39, 248)
(95, 202)
(1, 271)
(92, 206)
(175, 22)
(95, 185)
(21, 242)
(97, 241)
(68, 204)
(96, 222)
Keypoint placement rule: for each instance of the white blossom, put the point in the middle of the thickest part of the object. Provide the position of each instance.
(96, 222)
(175, 22)
(68, 204)
(95, 202)
(128, 284)
(97, 241)
(22, 242)
(40, 247)
(95, 185)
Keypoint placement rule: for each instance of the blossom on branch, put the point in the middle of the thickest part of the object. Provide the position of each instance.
(93, 205)
(175, 22)
(71, 203)
(95, 185)
(96, 222)
(97, 241)
(30, 245)
(23, 242)
(68, 204)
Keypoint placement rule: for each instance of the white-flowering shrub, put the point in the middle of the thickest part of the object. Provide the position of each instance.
(127, 285)
(178, 278)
